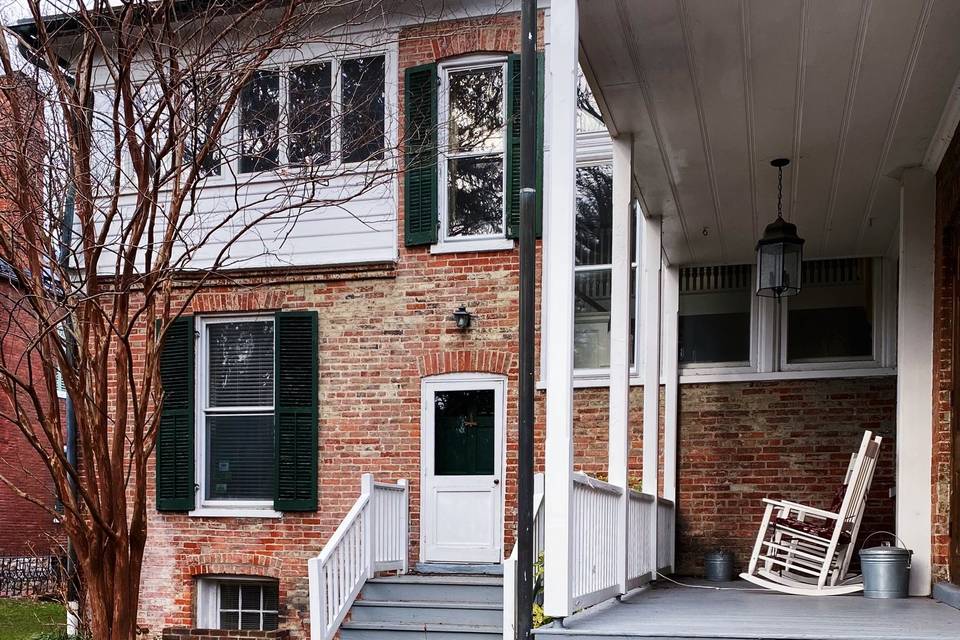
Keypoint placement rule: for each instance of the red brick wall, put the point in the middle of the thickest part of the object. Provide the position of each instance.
(948, 202)
(26, 528)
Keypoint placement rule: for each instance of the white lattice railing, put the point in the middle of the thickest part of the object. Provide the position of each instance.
(510, 564)
(640, 514)
(595, 522)
(665, 534)
(372, 537)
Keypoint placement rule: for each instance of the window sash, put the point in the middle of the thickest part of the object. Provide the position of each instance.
(260, 610)
(444, 154)
(206, 411)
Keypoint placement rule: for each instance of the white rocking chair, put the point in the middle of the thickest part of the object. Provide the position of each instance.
(806, 551)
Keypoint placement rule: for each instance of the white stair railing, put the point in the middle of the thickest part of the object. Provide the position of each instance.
(510, 564)
(596, 520)
(372, 537)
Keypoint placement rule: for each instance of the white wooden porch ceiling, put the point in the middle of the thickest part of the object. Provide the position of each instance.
(852, 91)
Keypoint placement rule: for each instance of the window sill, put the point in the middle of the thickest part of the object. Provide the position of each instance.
(458, 246)
(234, 512)
(738, 376)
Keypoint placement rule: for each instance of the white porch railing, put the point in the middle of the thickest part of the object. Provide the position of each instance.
(510, 564)
(640, 512)
(595, 522)
(372, 537)
(666, 521)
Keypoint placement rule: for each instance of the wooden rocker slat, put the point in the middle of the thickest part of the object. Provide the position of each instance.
(801, 589)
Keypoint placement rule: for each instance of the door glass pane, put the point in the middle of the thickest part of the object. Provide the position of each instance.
(476, 110)
(475, 200)
(832, 317)
(714, 323)
(464, 432)
(240, 456)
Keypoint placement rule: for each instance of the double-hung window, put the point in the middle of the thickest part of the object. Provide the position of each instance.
(238, 421)
(715, 316)
(472, 140)
(236, 387)
(313, 114)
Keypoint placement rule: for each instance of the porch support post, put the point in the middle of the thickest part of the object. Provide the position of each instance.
(563, 39)
(671, 383)
(618, 460)
(650, 339)
(915, 371)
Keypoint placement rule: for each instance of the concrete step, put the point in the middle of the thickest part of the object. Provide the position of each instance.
(393, 630)
(449, 589)
(428, 612)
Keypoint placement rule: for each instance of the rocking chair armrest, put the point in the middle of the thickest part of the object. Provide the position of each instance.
(802, 508)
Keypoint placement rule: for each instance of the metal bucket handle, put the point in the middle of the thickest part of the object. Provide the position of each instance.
(895, 536)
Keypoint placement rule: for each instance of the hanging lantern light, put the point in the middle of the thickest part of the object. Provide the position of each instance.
(780, 251)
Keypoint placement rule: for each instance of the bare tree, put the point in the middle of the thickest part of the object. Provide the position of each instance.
(120, 124)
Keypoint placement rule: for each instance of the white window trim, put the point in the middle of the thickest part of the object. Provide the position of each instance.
(208, 597)
(487, 242)
(219, 508)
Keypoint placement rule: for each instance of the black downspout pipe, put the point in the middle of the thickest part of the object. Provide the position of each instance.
(528, 266)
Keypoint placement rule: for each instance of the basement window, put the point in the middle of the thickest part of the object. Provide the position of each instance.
(237, 603)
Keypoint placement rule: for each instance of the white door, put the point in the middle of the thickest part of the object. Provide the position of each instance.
(462, 468)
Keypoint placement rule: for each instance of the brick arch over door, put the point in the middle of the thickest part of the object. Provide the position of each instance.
(432, 364)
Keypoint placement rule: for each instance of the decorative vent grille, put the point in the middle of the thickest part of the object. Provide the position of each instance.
(835, 271)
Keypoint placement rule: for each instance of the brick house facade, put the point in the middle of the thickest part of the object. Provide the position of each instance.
(384, 327)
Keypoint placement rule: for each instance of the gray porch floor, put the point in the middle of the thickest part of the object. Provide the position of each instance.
(669, 612)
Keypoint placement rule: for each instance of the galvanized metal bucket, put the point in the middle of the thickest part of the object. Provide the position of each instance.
(886, 569)
(718, 566)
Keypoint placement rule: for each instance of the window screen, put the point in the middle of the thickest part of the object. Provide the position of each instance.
(831, 319)
(239, 420)
(714, 323)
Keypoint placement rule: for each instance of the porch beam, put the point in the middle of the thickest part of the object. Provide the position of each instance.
(563, 38)
(915, 371)
(651, 258)
(618, 450)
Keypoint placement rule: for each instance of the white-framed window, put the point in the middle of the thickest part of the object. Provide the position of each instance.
(593, 272)
(237, 602)
(843, 320)
(472, 142)
(313, 113)
(235, 457)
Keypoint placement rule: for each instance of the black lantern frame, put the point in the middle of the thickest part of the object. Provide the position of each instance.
(780, 251)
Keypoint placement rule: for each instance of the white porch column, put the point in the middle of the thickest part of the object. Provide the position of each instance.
(650, 339)
(915, 371)
(671, 384)
(561, 230)
(618, 450)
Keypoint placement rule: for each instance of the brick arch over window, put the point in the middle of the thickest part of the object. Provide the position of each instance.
(500, 362)
(236, 564)
(239, 301)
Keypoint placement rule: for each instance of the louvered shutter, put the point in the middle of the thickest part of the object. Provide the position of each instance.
(420, 155)
(513, 146)
(176, 485)
(296, 410)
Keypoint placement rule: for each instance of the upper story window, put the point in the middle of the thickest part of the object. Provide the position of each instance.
(473, 158)
(298, 114)
(462, 154)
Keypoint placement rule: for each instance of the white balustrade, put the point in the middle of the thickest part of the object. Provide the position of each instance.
(510, 564)
(640, 556)
(372, 537)
(665, 534)
(596, 518)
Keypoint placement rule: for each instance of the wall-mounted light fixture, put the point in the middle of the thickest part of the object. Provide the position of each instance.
(463, 318)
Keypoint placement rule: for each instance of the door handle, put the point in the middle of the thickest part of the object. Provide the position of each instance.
(496, 481)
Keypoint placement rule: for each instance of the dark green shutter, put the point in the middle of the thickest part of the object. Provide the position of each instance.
(176, 485)
(420, 156)
(295, 425)
(513, 146)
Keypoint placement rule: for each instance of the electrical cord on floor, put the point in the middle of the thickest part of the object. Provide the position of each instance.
(707, 586)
